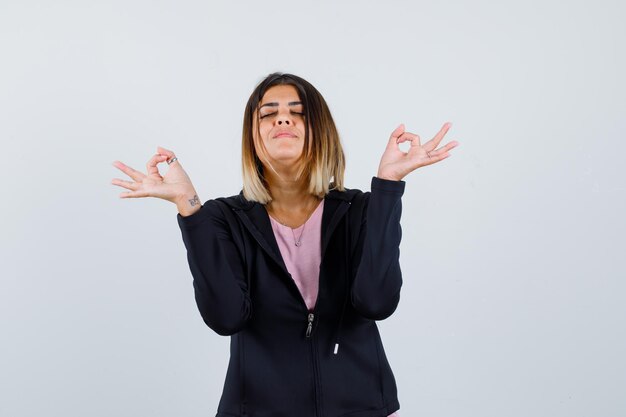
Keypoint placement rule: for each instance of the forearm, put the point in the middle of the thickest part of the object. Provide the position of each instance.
(219, 279)
(220, 296)
(376, 287)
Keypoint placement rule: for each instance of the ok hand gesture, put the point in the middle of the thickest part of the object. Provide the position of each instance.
(174, 186)
(395, 164)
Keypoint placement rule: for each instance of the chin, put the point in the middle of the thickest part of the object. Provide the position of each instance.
(286, 158)
(286, 153)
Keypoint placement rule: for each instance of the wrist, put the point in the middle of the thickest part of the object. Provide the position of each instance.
(388, 177)
(188, 203)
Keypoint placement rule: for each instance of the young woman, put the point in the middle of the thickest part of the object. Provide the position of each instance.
(296, 268)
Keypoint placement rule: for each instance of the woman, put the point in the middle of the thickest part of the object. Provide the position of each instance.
(296, 268)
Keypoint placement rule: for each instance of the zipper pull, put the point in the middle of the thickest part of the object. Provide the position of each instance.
(309, 327)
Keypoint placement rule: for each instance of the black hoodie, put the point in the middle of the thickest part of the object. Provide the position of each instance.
(286, 361)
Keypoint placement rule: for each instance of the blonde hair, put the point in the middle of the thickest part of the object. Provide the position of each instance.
(322, 161)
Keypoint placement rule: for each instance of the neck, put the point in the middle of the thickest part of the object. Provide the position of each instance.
(288, 194)
(291, 204)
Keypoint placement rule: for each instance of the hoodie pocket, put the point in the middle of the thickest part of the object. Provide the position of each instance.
(351, 379)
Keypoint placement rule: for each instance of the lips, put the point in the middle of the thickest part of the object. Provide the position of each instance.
(284, 135)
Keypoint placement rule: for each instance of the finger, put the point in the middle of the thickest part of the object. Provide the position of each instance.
(133, 173)
(129, 185)
(434, 142)
(133, 194)
(411, 137)
(435, 158)
(448, 147)
(393, 139)
(170, 155)
(164, 151)
(151, 166)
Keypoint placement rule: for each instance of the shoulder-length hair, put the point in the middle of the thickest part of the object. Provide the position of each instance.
(322, 161)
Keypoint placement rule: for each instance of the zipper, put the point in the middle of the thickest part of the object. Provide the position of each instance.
(314, 364)
(309, 327)
(309, 335)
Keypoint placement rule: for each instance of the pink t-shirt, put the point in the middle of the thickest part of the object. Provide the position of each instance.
(303, 261)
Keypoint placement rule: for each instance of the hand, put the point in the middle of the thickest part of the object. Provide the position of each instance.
(395, 164)
(172, 187)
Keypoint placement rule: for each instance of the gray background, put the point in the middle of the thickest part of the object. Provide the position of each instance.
(513, 248)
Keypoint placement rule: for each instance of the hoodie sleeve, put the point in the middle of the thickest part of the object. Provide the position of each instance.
(218, 271)
(376, 286)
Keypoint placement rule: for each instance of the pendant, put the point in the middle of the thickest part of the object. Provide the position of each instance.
(298, 243)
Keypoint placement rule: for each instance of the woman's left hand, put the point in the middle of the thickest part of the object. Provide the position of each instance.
(396, 164)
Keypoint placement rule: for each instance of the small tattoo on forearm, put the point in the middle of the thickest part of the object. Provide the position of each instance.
(194, 201)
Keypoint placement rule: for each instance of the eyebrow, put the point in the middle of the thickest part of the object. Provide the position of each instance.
(274, 104)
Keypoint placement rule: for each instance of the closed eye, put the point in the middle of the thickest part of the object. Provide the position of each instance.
(272, 114)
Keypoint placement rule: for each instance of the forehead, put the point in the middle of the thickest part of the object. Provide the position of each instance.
(279, 93)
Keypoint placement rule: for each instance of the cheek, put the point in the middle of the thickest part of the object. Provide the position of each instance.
(263, 129)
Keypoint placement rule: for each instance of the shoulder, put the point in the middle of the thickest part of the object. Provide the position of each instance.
(357, 201)
(349, 195)
(236, 201)
(378, 185)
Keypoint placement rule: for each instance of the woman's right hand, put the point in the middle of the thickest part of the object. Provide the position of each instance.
(174, 186)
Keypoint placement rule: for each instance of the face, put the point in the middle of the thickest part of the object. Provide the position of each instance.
(281, 125)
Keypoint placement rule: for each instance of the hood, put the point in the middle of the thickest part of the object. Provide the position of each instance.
(239, 202)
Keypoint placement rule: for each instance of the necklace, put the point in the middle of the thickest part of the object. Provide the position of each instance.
(297, 241)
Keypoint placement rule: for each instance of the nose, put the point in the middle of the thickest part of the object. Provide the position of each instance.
(284, 118)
